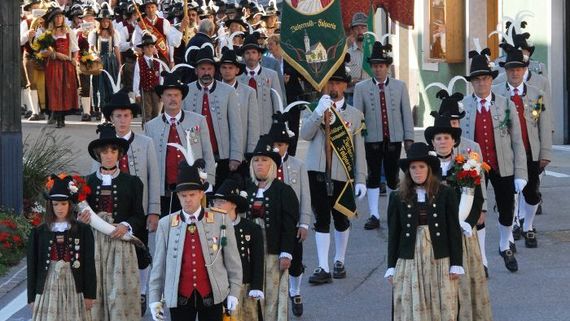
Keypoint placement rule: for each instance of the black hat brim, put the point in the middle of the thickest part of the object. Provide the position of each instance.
(431, 131)
(245, 47)
(513, 64)
(161, 88)
(477, 73)
(57, 197)
(339, 78)
(240, 202)
(458, 116)
(109, 108)
(273, 155)
(142, 44)
(190, 187)
(432, 161)
(371, 61)
(122, 143)
(235, 63)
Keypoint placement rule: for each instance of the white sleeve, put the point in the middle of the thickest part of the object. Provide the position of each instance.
(117, 40)
(136, 79)
(389, 273)
(73, 45)
(23, 32)
(125, 44)
(137, 35)
(92, 37)
(456, 269)
(173, 36)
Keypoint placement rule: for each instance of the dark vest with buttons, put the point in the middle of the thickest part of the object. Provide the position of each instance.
(280, 225)
(126, 193)
(442, 221)
(250, 247)
(81, 246)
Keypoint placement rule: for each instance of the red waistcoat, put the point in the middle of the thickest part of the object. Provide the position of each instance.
(485, 136)
(173, 156)
(149, 76)
(193, 272)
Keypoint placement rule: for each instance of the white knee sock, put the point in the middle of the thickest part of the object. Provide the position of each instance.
(143, 274)
(530, 212)
(295, 285)
(481, 235)
(340, 244)
(323, 244)
(373, 194)
(86, 105)
(504, 232)
(35, 105)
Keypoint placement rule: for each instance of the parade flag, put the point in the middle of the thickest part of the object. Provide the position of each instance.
(313, 39)
(368, 42)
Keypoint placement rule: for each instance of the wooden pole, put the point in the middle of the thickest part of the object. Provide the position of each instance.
(11, 168)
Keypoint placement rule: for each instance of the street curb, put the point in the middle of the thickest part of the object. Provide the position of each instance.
(15, 276)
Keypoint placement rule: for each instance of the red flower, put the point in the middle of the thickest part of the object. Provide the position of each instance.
(4, 236)
(6, 245)
(16, 238)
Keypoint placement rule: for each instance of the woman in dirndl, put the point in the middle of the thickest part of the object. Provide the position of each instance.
(273, 206)
(61, 268)
(116, 198)
(105, 41)
(61, 79)
(424, 241)
(474, 302)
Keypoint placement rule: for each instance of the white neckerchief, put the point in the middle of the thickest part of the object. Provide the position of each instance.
(487, 102)
(421, 193)
(339, 104)
(444, 164)
(206, 88)
(59, 226)
(520, 88)
(195, 214)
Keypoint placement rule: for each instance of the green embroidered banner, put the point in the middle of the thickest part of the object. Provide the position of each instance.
(313, 39)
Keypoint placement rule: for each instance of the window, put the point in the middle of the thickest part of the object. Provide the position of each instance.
(445, 31)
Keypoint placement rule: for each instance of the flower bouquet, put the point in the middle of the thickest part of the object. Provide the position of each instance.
(90, 63)
(467, 174)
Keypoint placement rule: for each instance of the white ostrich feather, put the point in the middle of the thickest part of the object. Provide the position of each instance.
(518, 19)
(449, 86)
(166, 68)
(186, 151)
(116, 86)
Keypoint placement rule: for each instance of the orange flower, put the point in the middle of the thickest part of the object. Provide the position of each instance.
(460, 159)
(474, 156)
(485, 167)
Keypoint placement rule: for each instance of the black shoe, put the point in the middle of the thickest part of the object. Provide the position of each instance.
(382, 188)
(372, 223)
(34, 117)
(530, 239)
(513, 247)
(51, 119)
(297, 305)
(339, 272)
(143, 304)
(98, 116)
(59, 123)
(320, 277)
(486, 271)
(510, 260)
(517, 232)
(28, 113)
(85, 117)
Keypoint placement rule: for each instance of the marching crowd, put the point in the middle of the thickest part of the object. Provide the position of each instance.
(215, 181)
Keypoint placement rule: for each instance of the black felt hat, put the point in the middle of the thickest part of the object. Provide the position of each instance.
(171, 81)
(203, 55)
(189, 176)
(515, 57)
(230, 57)
(381, 54)
(420, 152)
(279, 131)
(59, 191)
(450, 105)
(265, 147)
(120, 100)
(51, 13)
(230, 191)
(107, 136)
(250, 42)
(480, 65)
(342, 72)
(442, 125)
(146, 40)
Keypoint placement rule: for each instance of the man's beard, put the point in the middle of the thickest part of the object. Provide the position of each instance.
(206, 79)
(360, 38)
(333, 94)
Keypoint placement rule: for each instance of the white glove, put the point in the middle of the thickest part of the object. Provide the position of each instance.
(324, 103)
(467, 230)
(360, 191)
(256, 294)
(156, 311)
(232, 303)
(519, 184)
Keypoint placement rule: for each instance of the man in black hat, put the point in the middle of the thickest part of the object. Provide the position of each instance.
(358, 26)
(491, 121)
(262, 80)
(533, 111)
(292, 172)
(331, 184)
(206, 30)
(230, 68)
(218, 103)
(146, 77)
(386, 107)
(176, 126)
(197, 264)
